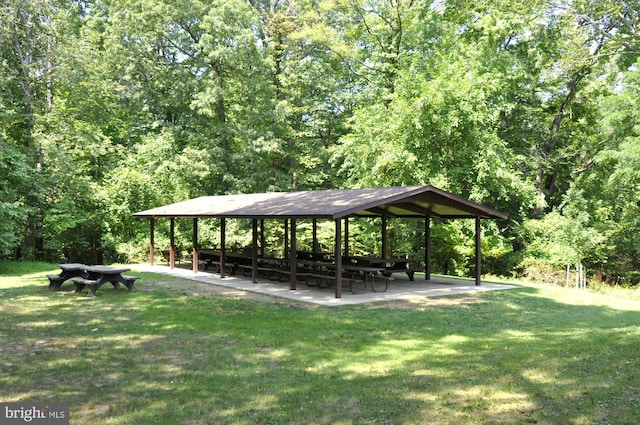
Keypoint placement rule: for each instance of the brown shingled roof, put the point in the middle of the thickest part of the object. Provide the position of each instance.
(408, 201)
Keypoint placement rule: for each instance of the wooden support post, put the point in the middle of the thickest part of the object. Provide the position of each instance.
(427, 247)
(346, 236)
(293, 262)
(338, 258)
(172, 244)
(194, 260)
(223, 247)
(383, 253)
(152, 243)
(286, 238)
(254, 249)
(315, 248)
(262, 243)
(478, 252)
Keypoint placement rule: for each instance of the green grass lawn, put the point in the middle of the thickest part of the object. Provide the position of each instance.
(167, 355)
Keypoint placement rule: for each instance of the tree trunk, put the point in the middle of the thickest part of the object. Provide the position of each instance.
(545, 178)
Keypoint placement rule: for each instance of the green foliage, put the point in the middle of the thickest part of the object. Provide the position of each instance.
(557, 241)
(609, 185)
(111, 107)
(451, 249)
(14, 211)
(551, 241)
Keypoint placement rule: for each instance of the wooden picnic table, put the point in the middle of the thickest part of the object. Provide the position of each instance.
(233, 262)
(369, 274)
(324, 271)
(209, 257)
(99, 275)
(69, 271)
(369, 270)
(315, 264)
(392, 265)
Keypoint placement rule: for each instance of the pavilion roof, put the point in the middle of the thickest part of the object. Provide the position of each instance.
(407, 201)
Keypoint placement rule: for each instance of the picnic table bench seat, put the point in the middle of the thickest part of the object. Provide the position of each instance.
(230, 267)
(322, 280)
(410, 272)
(286, 273)
(81, 282)
(270, 272)
(55, 281)
(130, 280)
(328, 280)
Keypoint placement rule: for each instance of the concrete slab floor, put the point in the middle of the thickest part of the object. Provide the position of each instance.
(401, 288)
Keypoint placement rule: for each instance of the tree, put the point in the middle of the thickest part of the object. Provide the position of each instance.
(27, 46)
(609, 184)
(14, 211)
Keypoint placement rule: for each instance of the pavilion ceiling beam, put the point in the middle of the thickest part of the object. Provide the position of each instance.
(381, 211)
(413, 208)
(454, 216)
(450, 203)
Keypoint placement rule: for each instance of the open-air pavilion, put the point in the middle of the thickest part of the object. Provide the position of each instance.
(410, 202)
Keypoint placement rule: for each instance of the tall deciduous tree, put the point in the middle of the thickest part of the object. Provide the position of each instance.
(28, 39)
(607, 187)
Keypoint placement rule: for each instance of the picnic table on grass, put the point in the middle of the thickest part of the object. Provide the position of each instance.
(99, 275)
(68, 272)
(92, 276)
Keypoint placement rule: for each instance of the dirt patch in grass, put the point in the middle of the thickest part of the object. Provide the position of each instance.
(201, 289)
(421, 303)
(91, 411)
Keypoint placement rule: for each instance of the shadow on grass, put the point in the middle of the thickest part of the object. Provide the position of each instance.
(529, 355)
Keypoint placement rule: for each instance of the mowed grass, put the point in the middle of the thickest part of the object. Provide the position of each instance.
(169, 355)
